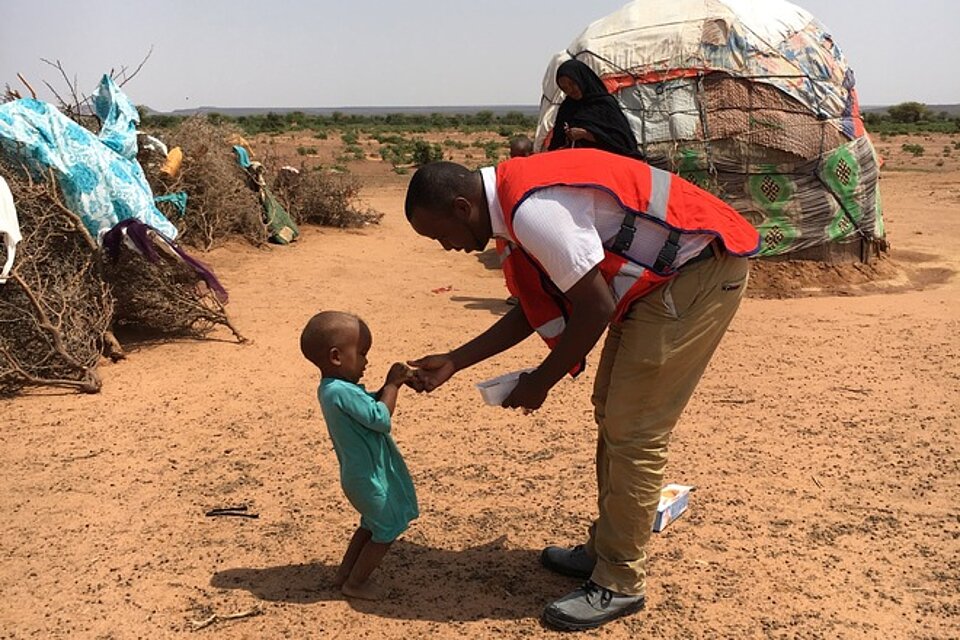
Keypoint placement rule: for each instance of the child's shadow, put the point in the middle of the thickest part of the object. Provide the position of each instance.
(484, 582)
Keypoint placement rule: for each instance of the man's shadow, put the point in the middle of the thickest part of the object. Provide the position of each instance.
(423, 583)
(490, 259)
(496, 306)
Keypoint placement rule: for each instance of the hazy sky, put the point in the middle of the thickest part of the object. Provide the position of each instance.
(334, 53)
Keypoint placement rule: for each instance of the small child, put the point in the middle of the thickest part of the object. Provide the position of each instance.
(372, 472)
(521, 146)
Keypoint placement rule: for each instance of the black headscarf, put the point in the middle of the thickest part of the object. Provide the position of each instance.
(596, 111)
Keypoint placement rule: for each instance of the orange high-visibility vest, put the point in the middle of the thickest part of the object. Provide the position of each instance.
(653, 200)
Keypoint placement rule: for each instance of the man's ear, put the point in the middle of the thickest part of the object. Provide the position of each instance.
(462, 208)
(335, 356)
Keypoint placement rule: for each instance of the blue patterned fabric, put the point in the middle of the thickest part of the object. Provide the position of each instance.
(100, 177)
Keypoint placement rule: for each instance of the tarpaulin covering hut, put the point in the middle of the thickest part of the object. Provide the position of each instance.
(750, 99)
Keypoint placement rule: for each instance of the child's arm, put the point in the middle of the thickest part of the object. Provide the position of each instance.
(399, 373)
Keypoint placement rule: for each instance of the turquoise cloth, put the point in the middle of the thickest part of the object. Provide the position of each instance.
(100, 177)
(372, 472)
(178, 200)
(243, 158)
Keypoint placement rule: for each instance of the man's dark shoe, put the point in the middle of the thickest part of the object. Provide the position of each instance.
(589, 607)
(574, 562)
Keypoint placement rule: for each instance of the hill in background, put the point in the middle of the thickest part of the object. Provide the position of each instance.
(234, 112)
(498, 110)
(950, 109)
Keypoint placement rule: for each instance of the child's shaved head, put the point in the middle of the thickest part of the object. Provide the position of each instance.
(324, 331)
(521, 147)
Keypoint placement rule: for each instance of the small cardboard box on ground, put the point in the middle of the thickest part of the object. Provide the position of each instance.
(673, 502)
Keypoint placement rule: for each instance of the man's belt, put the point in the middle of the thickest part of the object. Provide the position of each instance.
(708, 252)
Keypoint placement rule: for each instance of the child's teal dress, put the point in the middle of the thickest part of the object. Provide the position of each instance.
(372, 472)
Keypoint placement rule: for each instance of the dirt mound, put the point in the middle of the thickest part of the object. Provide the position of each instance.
(804, 278)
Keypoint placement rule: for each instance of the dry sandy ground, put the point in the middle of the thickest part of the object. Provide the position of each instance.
(823, 441)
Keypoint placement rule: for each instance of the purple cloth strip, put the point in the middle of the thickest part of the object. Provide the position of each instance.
(138, 233)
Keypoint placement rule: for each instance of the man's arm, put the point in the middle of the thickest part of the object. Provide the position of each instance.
(593, 307)
(508, 331)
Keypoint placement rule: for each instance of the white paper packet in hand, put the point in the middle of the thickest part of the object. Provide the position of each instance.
(495, 390)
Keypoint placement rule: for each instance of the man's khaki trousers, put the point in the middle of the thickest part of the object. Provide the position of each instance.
(650, 365)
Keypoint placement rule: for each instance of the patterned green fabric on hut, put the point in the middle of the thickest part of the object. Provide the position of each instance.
(280, 225)
(795, 204)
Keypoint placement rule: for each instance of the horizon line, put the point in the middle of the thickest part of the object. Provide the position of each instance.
(421, 108)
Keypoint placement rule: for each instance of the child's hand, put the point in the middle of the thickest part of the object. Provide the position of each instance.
(399, 374)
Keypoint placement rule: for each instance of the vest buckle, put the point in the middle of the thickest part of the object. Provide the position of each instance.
(668, 253)
(624, 237)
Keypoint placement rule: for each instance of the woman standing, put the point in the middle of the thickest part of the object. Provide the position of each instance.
(589, 116)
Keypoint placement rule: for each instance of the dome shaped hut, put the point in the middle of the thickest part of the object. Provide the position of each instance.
(753, 101)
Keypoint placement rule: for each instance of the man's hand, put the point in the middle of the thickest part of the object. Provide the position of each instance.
(431, 371)
(529, 394)
(399, 374)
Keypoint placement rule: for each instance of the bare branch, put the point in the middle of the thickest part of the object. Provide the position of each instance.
(27, 85)
(10, 94)
(133, 75)
(72, 86)
(63, 103)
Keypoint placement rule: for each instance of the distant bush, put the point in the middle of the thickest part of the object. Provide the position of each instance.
(315, 197)
(909, 118)
(392, 153)
(491, 148)
(507, 124)
(356, 151)
(909, 112)
(410, 152)
(425, 152)
(385, 138)
(914, 149)
(159, 121)
(306, 151)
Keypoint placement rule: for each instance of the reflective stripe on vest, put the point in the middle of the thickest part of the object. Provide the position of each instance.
(656, 209)
(553, 328)
(659, 193)
(624, 280)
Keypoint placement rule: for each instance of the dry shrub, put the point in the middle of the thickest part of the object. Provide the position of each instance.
(55, 310)
(220, 204)
(314, 197)
(163, 297)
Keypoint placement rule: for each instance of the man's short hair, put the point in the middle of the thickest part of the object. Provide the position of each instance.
(434, 186)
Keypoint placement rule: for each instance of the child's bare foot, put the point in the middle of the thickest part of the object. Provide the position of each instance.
(368, 590)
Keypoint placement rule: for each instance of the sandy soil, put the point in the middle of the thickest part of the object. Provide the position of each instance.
(823, 441)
